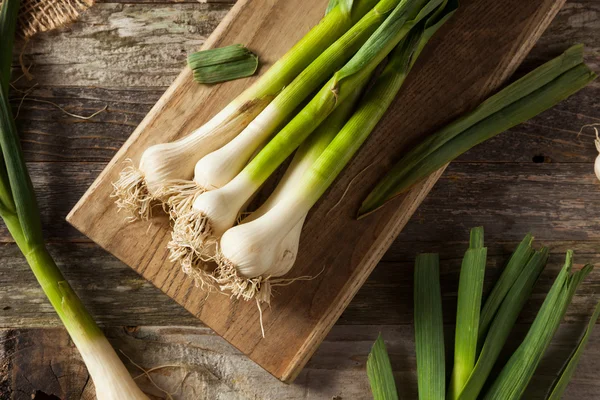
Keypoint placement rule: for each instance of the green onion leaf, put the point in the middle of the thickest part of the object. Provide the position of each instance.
(518, 102)
(470, 290)
(8, 24)
(345, 5)
(503, 321)
(567, 372)
(509, 275)
(516, 374)
(8, 21)
(429, 328)
(222, 64)
(379, 371)
(19, 182)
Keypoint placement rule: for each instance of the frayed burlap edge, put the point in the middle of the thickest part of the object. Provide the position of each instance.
(45, 15)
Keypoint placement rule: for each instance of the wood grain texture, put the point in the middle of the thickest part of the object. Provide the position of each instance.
(50, 135)
(200, 365)
(305, 315)
(125, 45)
(384, 303)
(117, 296)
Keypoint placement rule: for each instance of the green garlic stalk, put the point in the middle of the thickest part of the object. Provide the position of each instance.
(238, 267)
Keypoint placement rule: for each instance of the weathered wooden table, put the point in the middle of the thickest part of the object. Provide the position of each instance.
(122, 54)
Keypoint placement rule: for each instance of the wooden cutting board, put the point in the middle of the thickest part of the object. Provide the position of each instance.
(467, 60)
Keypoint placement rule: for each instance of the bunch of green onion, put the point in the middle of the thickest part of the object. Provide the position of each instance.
(481, 331)
(229, 162)
(19, 211)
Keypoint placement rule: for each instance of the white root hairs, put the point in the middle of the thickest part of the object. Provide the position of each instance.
(228, 279)
(131, 193)
(192, 245)
(259, 288)
(180, 196)
(192, 241)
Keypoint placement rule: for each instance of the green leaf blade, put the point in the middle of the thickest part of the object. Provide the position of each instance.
(503, 322)
(520, 101)
(568, 370)
(379, 371)
(516, 374)
(8, 24)
(470, 291)
(19, 181)
(429, 328)
(516, 264)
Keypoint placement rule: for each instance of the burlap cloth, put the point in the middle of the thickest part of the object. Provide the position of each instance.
(44, 15)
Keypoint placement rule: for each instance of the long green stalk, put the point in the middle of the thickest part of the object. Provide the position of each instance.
(509, 275)
(309, 152)
(335, 24)
(21, 216)
(503, 322)
(470, 290)
(429, 328)
(522, 100)
(516, 374)
(404, 17)
(8, 22)
(567, 371)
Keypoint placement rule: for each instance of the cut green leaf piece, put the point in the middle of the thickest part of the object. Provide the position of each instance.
(223, 64)
(516, 374)
(226, 71)
(470, 289)
(509, 275)
(429, 328)
(503, 322)
(218, 56)
(566, 373)
(520, 101)
(379, 371)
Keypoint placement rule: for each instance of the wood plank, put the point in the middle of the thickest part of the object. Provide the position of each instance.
(555, 200)
(125, 45)
(123, 298)
(164, 33)
(204, 366)
(50, 135)
(378, 301)
(304, 317)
